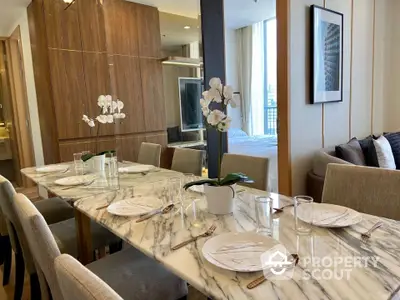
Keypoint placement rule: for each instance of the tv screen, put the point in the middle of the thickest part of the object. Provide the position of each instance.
(190, 93)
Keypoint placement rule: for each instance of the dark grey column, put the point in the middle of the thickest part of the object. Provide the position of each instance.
(212, 23)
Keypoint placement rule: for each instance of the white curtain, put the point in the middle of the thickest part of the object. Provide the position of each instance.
(245, 52)
(258, 79)
(251, 53)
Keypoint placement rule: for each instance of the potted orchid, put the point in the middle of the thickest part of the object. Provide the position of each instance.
(219, 192)
(110, 113)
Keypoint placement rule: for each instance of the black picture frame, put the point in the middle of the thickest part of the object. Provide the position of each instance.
(326, 75)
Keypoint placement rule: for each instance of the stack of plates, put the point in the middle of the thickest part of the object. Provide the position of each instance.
(75, 180)
(136, 169)
(133, 207)
(52, 169)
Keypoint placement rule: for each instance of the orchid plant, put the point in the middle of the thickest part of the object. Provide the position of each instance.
(220, 96)
(110, 113)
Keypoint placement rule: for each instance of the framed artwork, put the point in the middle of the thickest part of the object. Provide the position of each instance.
(326, 55)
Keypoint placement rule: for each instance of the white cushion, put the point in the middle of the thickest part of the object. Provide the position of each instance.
(384, 153)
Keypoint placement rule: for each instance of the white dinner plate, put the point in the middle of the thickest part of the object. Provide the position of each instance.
(136, 169)
(328, 215)
(240, 252)
(133, 207)
(52, 169)
(75, 180)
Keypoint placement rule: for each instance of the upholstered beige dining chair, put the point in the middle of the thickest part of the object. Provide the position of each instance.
(254, 167)
(188, 161)
(368, 190)
(149, 154)
(130, 273)
(63, 229)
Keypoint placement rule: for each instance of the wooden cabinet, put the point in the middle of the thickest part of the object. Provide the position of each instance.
(148, 24)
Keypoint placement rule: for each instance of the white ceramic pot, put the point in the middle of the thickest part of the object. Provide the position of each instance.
(97, 163)
(220, 199)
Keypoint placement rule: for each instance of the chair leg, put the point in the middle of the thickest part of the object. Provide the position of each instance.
(19, 276)
(115, 247)
(3, 245)
(7, 261)
(35, 287)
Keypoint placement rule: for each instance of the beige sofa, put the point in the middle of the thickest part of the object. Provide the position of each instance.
(316, 176)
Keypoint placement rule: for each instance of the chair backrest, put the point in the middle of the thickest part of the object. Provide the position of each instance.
(188, 161)
(368, 190)
(41, 241)
(78, 282)
(3, 194)
(16, 233)
(256, 168)
(149, 154)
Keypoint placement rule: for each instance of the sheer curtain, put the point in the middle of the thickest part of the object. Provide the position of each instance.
(251, 53)
(258, 79)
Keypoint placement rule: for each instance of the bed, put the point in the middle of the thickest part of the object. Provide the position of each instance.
(262, 146)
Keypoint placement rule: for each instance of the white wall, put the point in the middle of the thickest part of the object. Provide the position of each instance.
(362, 111)
(231, 69)
(30, 86)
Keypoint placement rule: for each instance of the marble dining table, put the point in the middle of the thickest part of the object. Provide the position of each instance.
(333, 264)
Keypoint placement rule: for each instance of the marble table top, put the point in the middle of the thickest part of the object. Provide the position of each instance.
(344, 266)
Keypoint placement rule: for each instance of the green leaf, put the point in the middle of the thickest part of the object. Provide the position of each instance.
(212, 182)
(88, 156)
(234, 178)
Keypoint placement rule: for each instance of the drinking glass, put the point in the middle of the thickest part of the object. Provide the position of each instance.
(303, 210)
(112, 170)
(263, 206)
(175, 190)
(78, 163)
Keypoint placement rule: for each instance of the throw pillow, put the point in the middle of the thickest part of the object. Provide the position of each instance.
(384, 153)
(174, 134)
(351, 152)
(394, 141)
(368, 148)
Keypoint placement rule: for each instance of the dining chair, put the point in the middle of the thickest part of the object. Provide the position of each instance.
(372, 191)
(150, 154)
(64, 231)
(188, 161)
(255, 167)
(130, 273)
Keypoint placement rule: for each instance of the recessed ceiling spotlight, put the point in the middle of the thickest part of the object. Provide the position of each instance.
(187, 27)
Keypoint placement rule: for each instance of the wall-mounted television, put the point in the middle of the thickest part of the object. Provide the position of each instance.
(190, 93)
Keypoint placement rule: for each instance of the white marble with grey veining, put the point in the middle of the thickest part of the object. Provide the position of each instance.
(156, 236)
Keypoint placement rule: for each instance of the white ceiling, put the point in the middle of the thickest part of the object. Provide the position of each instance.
(10, 12)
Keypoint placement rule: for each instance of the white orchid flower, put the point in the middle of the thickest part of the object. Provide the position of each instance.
(119, 116)
(207, 96)
(206, 111)
(91, 123)
(85, 118)
(215, 117)
(110, 118)
(108, 101)
(216, 84)
(120, 104)
(102, 119)
(101, 101)
(104, 110)
(228, 93)
(215, 95)
(224, 125)
(204, 103)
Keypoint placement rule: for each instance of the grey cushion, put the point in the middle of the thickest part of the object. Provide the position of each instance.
(135, 276)
(394, 140)
(54, 210)
(368, 148)
(65, 235)
(351, 152)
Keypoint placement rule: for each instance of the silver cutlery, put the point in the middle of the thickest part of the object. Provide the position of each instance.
(102, 207)
(209, 232)
(78, 186)
(367, 234)
(279, 210)
(262, 278)
(159, 211)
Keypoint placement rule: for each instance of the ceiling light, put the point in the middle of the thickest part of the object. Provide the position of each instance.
(187, 27)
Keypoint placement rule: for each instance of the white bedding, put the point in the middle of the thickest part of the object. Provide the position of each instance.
(260, 146)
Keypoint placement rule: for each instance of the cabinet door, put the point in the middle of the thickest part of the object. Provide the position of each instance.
(69, 93)
(62, 26)
(148, 24)
(129, 91)
(153, 94)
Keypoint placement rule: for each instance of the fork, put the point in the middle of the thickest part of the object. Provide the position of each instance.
(367, 235)
(262, 278)
(279, 210)
(209, 232)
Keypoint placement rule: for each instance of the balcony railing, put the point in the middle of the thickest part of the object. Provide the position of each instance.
(270, 120)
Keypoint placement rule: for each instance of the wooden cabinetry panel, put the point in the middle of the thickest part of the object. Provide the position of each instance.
(153, 96)
(62, 26)
(97, 83)
(91, 23)
(128, 146)
(148, 24)
(121, 27)
(68, 148)
(128, 89)
(69, 93)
